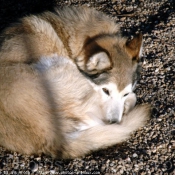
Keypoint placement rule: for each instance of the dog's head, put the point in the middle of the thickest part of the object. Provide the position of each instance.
(111, 63)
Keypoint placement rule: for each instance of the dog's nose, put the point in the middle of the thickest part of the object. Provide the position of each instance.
(117, 116)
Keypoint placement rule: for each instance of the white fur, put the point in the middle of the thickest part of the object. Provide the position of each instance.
(141, 50)
(46, 62)
(114, 103)
(134, 85)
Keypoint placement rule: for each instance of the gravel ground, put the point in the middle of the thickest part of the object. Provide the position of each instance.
(151, 150)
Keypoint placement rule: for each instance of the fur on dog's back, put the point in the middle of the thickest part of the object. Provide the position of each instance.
(64, 31)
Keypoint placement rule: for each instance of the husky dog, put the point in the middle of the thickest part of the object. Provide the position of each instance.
(65, 77)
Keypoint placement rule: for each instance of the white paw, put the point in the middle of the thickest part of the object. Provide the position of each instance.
(129, 102)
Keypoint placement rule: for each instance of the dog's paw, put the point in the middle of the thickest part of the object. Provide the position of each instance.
(130, 102)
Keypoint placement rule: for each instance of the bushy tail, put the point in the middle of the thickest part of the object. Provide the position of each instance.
(107, 135)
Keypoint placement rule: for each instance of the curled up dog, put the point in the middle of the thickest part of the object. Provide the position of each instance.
(66, 93)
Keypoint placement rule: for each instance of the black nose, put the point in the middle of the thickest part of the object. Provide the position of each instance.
(114, 121)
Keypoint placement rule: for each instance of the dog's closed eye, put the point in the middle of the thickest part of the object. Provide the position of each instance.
(125, 94)
(106, 91)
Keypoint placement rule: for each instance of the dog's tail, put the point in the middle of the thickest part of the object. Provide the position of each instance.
(107, 135)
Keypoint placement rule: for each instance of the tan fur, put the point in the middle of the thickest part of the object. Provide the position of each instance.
(77, 33)
(57, 111)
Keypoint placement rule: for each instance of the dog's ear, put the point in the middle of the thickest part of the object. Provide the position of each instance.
(134, 47)
(98, 62)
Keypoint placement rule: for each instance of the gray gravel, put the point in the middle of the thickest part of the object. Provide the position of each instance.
(151, 150)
